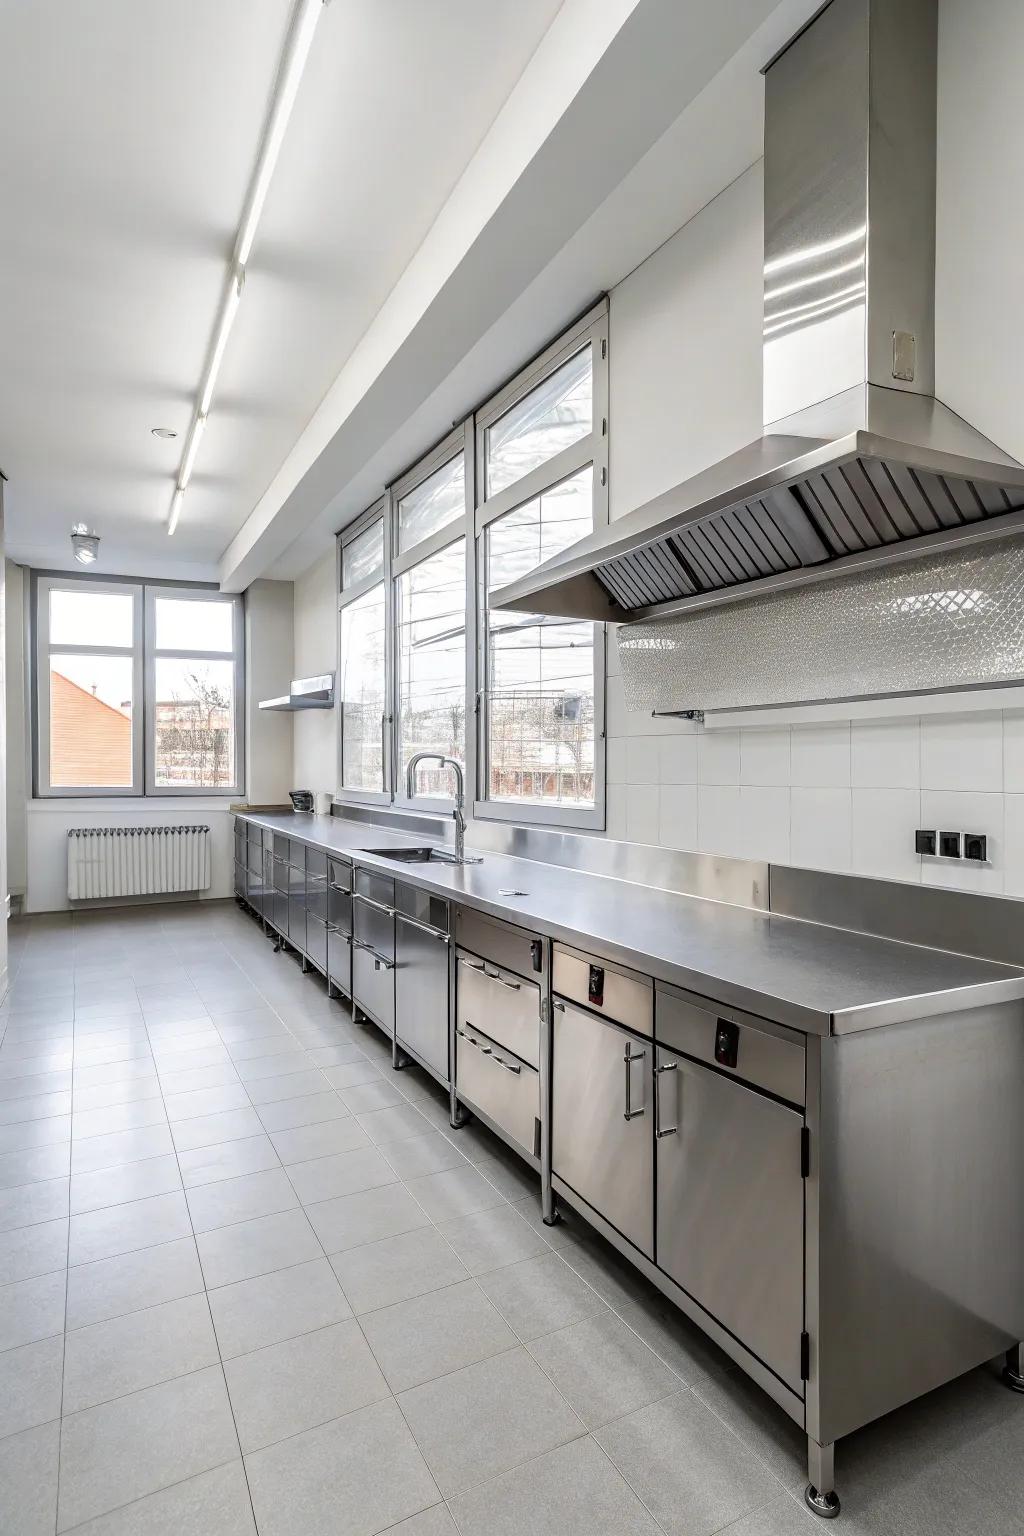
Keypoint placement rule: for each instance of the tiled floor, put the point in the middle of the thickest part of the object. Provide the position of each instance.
(251, 1280)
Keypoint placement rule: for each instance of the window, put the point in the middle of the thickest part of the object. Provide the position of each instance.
(362, 660)
(542, 456)
(138, 688)
(426, 663)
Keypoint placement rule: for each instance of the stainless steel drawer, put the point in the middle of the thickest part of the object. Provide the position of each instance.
(373, 924)
(339, 960)
(339, 875)
(421, 906)
(609, 990)
(316, 941)
(339, 909)
(281, 846)
(514, 948)
(766, 1055)
(316, 895)
(503, 1088)
(377, 888)
(373, 985)
(422, 991)
(316, 862)
(508, 1004)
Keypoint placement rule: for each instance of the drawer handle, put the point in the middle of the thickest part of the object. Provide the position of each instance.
(513, 986)
(487, 1050)
(472, 965)
(343, 890)
(629, 1113)
(668, 1130)
(378, 906)
(333, 928)
(414, 922)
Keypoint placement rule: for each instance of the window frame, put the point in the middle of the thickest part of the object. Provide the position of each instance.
(143, 676)
(589, 450)
(151, 654)
(459, 440)
(381, 509)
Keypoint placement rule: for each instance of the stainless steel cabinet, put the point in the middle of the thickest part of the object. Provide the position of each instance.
(730, 1203)
(602, 1112)
(497, 1084)
(422, 988)
(503, 1004)
(373, 948)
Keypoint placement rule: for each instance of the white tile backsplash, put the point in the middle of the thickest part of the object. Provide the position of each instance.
(765, 757)
(821, 827)
(885, 754)
(845, 797)
(962, 752)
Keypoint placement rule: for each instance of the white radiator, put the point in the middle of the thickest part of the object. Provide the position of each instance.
(137, 861)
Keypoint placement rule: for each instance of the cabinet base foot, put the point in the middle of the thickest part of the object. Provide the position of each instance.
(824, 1504)
(1013, 1379)
(459, 1119)
(554, 1220)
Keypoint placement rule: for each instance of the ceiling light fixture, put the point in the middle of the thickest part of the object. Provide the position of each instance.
(305, 16)
(84, 544)
(164, 431)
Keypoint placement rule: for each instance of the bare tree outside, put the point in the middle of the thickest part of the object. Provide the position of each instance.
(193, 734)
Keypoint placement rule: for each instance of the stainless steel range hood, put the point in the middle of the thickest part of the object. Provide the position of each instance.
(859, 462)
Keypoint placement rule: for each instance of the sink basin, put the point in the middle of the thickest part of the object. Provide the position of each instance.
(414, 855)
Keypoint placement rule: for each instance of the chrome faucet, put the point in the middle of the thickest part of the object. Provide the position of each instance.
(460, 797)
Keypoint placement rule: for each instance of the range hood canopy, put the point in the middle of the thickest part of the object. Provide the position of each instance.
(305, 693)
(859, 463)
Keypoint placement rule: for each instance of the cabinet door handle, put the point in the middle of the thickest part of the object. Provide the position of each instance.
(560, 1007)
(629, 1113)
(414, 922)
(669, 1130)
(378, 906)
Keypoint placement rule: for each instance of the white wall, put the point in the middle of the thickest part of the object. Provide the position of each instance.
(315, 762)
(15, 599)
(3, 761)
(269, 656)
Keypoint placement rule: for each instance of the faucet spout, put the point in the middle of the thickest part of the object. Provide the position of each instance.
(460, 796)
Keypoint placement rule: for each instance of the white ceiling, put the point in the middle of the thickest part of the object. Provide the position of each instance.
(127, 137)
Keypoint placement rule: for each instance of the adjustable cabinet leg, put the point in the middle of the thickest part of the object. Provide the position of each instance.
(1013, 1370)
(820, 1494)
(457, 1116)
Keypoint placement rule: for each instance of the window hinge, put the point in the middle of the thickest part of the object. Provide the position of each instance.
(604, 426)
(604, 475)
(805, 1152)
(805, 1357)
(604, 346)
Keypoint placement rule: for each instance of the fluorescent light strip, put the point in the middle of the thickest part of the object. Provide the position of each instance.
(812, 252)
(175, 512)
(225, 320)
(300, 39)
(810, 282)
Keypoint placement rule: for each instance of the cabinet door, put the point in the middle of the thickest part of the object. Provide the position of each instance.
(601, 1120)
(731, 1207)
(421, 992)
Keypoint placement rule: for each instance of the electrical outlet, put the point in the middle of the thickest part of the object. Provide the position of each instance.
(976, 847)
(949, 845)
(924, 842)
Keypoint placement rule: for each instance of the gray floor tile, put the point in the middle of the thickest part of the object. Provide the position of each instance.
(336, 1055)
(37, 1133)
(396, 1269)
(213, 1504)
(512, 1177)
(456, 1192)
(116, 1117)
(121, 1147)
(251, 1248)
(28, 1481)
(188, 1079)
(487, 1418)
(353, 1220)
(32, 1309)
(227, 1160)
(693, 1475)
(603, 1369)
(211, 1130)
(358, 1475)
(38, 1107)
(242, 1199)
(32, 1203)
(307, 1109)
(27, 1084)
(36, 1250)
(344, 1173)
(420, 1155)
(376, 1094)
(759, 1423)
(104, 1094)
(281, 1064)
(302, 1382)
(435, 1521)
(205, 1101)
(782, 1517)
(130, 1281)
(123, 1228)
(322, 1139)
(134, 1446)
(128, 1181)
(125, 1354)
(492, 1238)
(352, 1072)
(253, 1313)
(31, 1385)
(432, 1334)
(571, 1491)
(541, 1295)
(293, 1085)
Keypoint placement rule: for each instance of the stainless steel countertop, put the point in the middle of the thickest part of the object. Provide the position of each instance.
(815, 978)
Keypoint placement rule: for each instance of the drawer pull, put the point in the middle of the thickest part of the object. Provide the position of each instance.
(629, 1113)
(488, 1050)
(513, 986)
(343, 890)
(414, 922)
(472, 965)
(378, 906)
(668, 1130)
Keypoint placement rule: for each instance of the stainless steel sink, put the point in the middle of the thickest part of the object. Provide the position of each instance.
(414, 855)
